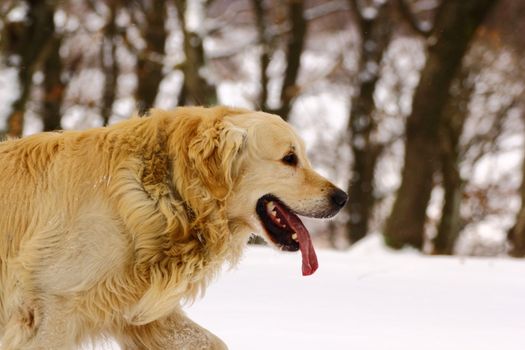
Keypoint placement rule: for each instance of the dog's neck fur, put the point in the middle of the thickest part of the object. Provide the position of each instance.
(177, 214)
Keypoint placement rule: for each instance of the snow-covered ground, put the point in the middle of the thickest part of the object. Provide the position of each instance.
(367, 298)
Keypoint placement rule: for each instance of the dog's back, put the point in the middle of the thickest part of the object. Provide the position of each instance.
(46, 181)
(30, 193)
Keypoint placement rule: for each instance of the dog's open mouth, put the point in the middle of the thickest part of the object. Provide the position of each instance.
(286, 230)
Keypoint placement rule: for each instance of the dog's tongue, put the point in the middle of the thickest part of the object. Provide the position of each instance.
(310, 263)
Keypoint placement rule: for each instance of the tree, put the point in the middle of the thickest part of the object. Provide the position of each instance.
(38, 29)
(196, 90)
(451, 128)
(294, 50)
(109, 64)
(516, 235)
(54, 85)
(375, 33)
(266, 51)
(454, 27)
(294, 42)
(150, 58)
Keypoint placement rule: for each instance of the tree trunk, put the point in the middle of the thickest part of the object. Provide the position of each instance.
(455, 24)
(375, 36)
(37, 29)
(294, 51)
(108, 61)
(54, 87)
(195, 90)
(516, 235)
(149, 62)
(454, 117)
(15, 120)
(264, 59)
(450, 224)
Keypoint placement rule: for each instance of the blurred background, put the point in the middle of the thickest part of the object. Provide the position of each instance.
(416, 107)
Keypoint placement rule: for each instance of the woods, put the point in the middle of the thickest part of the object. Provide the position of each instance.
(455, 23)
(415, 106)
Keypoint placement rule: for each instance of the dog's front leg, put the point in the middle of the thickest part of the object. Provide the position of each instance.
(173, 332)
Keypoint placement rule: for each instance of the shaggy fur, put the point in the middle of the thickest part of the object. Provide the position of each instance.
(105, 232)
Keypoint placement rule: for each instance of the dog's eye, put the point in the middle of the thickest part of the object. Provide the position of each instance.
(290, 159)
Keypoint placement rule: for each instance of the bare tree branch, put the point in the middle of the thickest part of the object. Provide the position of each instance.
(264, 59)
(294, 50)
(325, 9)
(358, 16)
(412, 20)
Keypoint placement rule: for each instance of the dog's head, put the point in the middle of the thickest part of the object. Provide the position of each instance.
(256, 165)
(272, 182)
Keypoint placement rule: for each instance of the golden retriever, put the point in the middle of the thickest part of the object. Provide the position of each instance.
(104, 232)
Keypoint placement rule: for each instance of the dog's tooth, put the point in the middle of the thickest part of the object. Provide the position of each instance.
(294, 236)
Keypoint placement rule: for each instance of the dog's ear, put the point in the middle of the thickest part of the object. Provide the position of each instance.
(214, 154)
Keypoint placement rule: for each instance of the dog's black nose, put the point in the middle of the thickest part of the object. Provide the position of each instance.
(339, 197)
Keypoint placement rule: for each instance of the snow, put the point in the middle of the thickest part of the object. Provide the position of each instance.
(367, 298)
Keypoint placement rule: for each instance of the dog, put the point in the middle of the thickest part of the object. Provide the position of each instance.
(105, 232)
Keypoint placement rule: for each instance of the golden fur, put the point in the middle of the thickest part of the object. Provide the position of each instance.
(107, 231)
